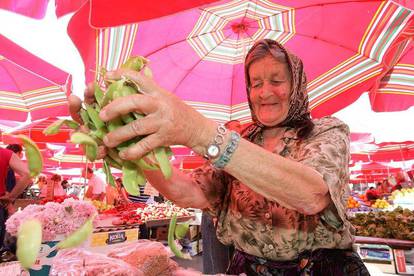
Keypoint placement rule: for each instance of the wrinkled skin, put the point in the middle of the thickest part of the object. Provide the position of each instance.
(168, 120)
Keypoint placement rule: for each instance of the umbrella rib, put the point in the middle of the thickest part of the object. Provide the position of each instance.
(197, 63)
(174, 43)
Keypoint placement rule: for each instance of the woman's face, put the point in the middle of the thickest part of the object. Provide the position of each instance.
(270, 90)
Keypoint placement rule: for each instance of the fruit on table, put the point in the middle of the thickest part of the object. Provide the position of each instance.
(381, 204)
(352, 203)
(396, 224)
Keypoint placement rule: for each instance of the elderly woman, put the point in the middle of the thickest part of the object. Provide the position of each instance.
(277, 192)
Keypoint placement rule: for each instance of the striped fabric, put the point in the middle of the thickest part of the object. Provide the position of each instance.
(141, 198)
(211, 42)
(385, 28)
(222, 34)
(114, 46)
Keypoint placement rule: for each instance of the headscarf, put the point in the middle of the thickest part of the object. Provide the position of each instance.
(298, 115)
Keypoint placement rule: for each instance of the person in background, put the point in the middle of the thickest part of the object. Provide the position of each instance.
(57, 185)
(371, 194)
(96, 186)
(216, 256)
(8, 159)
(403, 181)
(42, 184)
(122, 194)
(11, 178)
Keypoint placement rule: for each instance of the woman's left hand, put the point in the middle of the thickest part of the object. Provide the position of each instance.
(168, 120)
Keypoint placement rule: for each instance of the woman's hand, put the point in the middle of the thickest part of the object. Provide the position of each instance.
(168, 120)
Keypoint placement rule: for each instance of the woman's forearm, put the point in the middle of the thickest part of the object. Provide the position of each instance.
(288, 182)
(179, 188)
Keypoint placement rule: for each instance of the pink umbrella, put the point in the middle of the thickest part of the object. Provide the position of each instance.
(30, 85)
(395, 91)
(198, 53)
(35, 9)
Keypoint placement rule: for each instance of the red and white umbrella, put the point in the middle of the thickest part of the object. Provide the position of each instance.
(29, 85)
(198, 52)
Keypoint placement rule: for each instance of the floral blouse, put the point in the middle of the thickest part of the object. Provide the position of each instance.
(264, 228)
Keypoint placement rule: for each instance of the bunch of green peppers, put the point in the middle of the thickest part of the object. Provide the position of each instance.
(132, 171)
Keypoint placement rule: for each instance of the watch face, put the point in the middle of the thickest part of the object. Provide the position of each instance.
(213, 151)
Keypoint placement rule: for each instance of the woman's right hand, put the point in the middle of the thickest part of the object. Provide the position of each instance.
(168, 120)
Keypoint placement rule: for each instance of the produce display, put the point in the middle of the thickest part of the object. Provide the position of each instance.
(381, 204)
(102, 206)
(56, 218)
(138, 213)
(58, 199)
(396, 224)
(403, 197)
(95, 129)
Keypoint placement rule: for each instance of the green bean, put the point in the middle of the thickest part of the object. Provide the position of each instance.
(29, 240)
(163, 162)
(111, 162)
(114, 124)
(79, 236)
(99, 133)
(54, 128)
(181, 230)
(141, 163)
(114, 155)
(91, 147)
(140, 177)
(171, 239)
(135, 63)
(33, 155)
(130, 178)
(94, 116)
(116, 85)
(99, 94)
(85, 118)
(108, 173)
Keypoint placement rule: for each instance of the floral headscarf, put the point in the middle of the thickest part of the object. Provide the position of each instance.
(298, 115)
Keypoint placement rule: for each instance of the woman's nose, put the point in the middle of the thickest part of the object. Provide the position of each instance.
(266, 90)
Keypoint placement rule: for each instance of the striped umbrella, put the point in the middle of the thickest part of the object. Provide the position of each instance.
(198, 53)
(395, 91)
(30, 85)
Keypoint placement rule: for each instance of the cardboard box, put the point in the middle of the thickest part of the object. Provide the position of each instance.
(113, 237)
(193, 232)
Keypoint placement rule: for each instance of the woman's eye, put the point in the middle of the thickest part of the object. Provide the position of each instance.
(256, 85)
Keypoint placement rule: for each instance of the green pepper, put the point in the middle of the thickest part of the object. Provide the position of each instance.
(33, 155)
(130, 178)
(79, 236)
(135, 63)
(91, 147)
(162, 159)
(94, 116)
(108, 173)
(29, 240)
(99, 94)
(171, 239)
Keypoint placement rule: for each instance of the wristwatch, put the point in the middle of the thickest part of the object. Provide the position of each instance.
(213, 149)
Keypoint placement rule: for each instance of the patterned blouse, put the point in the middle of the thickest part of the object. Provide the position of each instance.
(262, 227)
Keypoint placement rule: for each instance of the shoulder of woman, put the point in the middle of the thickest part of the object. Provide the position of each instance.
(329, 123)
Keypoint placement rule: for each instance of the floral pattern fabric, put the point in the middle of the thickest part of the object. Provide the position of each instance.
(264, 228)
